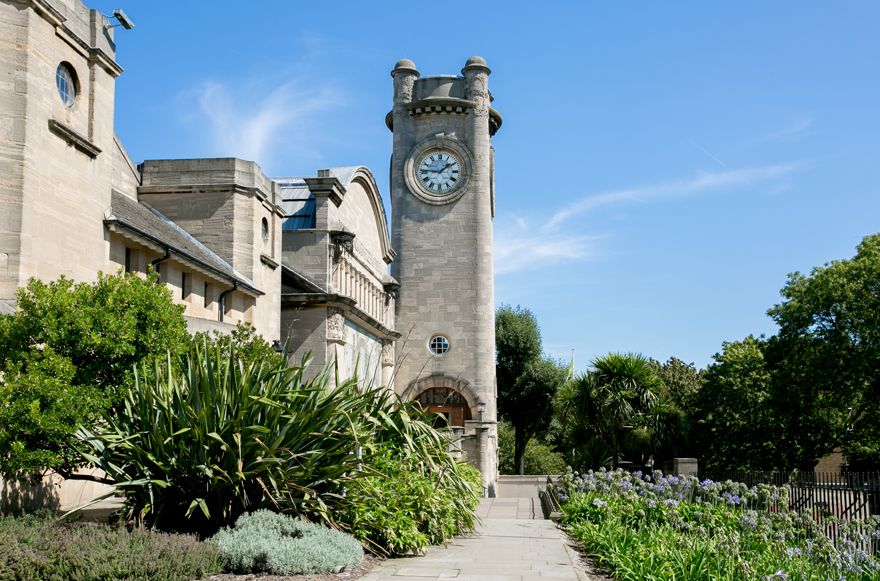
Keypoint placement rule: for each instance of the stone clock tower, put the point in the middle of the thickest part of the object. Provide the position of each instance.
(443, 202)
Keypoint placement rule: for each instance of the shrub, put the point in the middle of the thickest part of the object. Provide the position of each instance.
(539, 458)
(36, 549)
(399, 507)
(207, 438)
(266, 542)
(211, 437)
(244, 340)
(74, 342)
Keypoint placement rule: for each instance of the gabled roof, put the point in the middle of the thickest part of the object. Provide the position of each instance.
(148, 223)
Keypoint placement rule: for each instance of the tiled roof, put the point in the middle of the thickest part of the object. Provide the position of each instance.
(146, 221)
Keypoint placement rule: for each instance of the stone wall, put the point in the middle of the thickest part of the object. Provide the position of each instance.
(56, 161)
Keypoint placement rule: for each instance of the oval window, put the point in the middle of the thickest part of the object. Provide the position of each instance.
(65, 80)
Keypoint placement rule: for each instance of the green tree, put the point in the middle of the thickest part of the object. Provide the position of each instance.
(615, 406)
(539, 457)
(682, 382)
(734, 427)
(67, 354)
(826, 360)
(530, 404)
(517, 342)
(527, 382)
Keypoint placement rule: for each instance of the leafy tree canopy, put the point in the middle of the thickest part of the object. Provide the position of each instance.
(734, 425)
(66, 355)
(618, 408)
(517, 342)
(826, 359)
(527, 382)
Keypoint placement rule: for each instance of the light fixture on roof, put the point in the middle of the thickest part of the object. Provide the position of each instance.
(123, 19)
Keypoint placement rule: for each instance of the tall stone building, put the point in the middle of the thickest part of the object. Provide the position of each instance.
(308, 261)
(442, 200)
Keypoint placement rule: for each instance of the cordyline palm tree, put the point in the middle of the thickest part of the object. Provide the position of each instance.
(621, 394)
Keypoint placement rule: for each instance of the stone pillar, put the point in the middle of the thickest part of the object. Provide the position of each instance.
(335, 342)
(685, 466)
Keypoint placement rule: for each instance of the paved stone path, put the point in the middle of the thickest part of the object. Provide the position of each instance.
(513, 543)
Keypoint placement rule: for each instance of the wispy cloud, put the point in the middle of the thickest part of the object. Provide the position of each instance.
(259, 120)
(702, 182)
(796, 128)
(520, 247)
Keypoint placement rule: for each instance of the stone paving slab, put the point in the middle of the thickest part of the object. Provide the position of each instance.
(512, 543)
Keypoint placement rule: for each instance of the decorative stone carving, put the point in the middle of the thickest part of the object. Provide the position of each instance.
(480, 95)
(387, 354)
(407, 82)
(342, 241)
(392, 291)
(335, 326)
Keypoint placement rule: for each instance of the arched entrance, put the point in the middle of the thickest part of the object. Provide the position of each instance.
(449, 404)
(452, 398)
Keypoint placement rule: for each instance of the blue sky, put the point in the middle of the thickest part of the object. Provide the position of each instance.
(661, 168)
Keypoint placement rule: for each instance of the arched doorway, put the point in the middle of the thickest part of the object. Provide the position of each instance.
(451, 406)
(453, 398)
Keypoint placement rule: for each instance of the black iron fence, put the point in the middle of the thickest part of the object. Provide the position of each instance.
(852, 497)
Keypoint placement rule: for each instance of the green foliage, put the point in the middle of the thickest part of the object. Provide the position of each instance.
(681, 380)
(244, 340)
(400, 506)
(104, 328)
(74, 342)
(825, 361)
(734, 425)
(682, 383)
(36, 549)
(40, 411)
(539, 458)
(267, 542)
(517, 343)
(618, 408)
(527, 382)
(679, 528)
(411, 491)
(212, 437)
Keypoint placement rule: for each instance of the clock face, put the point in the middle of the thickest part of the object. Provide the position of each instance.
(439, 172)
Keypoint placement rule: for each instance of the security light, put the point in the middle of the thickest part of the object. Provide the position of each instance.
(123, 19)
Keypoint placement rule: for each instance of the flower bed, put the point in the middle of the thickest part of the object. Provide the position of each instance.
(667, 527)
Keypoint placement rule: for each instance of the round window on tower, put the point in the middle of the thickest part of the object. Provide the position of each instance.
(65, 80)
(438, 345)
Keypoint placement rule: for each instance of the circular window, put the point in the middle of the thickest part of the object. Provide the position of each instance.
(265, 231)
(438, 345)
(65, 79)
